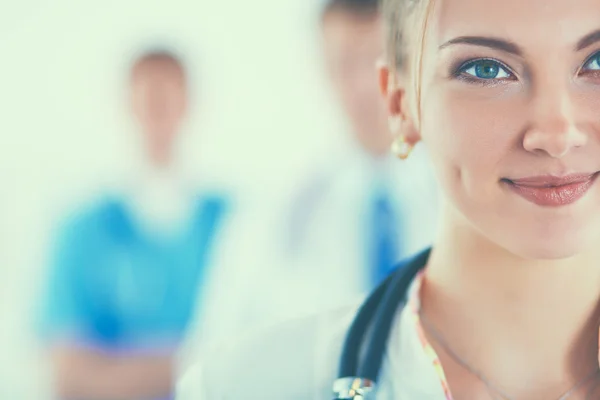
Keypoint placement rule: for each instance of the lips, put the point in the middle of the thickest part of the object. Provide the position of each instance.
(552, 191)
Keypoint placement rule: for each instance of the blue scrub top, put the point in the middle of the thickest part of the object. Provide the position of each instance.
(115, 287)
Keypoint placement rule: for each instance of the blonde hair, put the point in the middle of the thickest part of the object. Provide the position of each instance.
(406, 25)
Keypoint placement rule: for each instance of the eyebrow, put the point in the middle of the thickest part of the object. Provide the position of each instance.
(511, 47)
(494, 43)
(588, 40)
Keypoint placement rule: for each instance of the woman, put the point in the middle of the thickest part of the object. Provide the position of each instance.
(506, 96)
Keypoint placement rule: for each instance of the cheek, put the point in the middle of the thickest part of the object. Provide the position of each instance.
(471, 137)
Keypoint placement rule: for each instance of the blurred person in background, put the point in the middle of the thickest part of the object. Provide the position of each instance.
(128, 270)
(350, 224)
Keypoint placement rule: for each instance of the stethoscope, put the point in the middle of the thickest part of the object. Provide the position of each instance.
(357, 380)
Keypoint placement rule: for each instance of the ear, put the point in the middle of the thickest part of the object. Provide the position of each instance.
(392, 85)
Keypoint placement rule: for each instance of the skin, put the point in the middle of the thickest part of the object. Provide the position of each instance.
(158, 100)
(352, 45)
(513, 286)
(85, 374)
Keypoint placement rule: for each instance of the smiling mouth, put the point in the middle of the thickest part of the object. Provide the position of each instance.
(552, 191)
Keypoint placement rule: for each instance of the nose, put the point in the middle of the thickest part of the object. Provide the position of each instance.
(553, 127)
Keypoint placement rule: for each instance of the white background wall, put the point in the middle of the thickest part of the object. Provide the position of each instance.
(63, 131)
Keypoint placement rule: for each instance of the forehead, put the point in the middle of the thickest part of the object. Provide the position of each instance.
(529, 23)
(157, 69)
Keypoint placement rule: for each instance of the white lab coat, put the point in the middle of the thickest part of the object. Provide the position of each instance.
(299, 361)
(244, 278)
(254, 283)
(329, 231)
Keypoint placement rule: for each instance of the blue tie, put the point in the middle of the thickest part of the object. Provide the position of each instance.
(384, 237)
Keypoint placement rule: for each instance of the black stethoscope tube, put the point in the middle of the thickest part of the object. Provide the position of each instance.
(377, 314)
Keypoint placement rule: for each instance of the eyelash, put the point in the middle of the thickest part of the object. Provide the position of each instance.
(460, 72)
(593, 58)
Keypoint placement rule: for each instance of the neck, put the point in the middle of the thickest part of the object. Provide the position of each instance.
(154, 176)
(377, 154)
(161, 146)
(538, 317)
(160, 159)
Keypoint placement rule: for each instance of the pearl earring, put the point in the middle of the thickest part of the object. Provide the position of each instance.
(400, 147)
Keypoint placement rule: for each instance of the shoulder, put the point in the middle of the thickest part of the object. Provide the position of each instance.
(215, 196)
(296, 359)
(93, 220)
(214, 203)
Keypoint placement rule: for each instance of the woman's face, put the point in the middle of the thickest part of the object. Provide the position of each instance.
(510, 111)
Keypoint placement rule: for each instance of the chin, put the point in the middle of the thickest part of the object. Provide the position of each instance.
(544, 252)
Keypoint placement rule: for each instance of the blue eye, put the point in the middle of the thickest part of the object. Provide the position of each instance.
(486, 70)
(593, 63)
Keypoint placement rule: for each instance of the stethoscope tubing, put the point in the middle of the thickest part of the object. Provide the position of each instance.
(377, 314)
